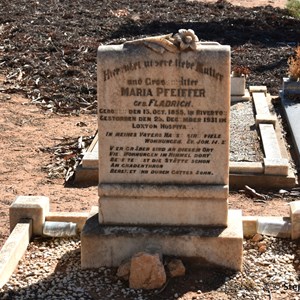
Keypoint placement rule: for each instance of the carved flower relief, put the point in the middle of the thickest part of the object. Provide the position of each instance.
(185, 39)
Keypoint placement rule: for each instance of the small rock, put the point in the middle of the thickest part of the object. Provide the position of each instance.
(263, 243)
(124, 270)
(257, 237)
(176, 268)
(146, 271)
(262, 248)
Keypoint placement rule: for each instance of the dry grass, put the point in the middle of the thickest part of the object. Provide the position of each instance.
(294, 65)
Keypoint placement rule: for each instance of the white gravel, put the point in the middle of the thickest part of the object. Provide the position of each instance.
(50, 269)
(244, 141)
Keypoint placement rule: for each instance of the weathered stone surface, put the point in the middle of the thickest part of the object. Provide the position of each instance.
(274, 162)
(238, 85)
(279, 166)
(176, 268)
(263, 114)
(269, 140)
(146, 271)
(163, 211)
(103, 245)
(257, 89)
(245, 97)
(249, 226)
(163, 118)
(147, 204)
(76, 217)
(274, 226)
(14, 248)
(244, 167)
(124, 270)
(295, 219)
(29, 207)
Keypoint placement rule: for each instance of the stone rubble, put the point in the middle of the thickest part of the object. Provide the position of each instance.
(176, 268)
(124, 270)
(146, 271)
(51, 270)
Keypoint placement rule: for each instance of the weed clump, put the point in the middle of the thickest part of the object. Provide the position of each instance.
(238, 71)
(293, 6)
(294, 65)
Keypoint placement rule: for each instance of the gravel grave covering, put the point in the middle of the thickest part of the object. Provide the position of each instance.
(244, 141)
(50, 270)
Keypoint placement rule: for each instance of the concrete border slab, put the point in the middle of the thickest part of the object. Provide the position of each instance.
(29, 207)
(257, 88)
(14, 248)
(245, 97)
(269, 141)
(246, 167)
(249, 226)
(276, 166)
(263, 181)
(263, 114)
(75, 217)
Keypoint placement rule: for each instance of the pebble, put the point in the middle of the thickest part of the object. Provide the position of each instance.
(257, 237)
(262, 248)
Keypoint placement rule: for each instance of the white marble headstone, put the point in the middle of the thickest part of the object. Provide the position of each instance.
(163, 117)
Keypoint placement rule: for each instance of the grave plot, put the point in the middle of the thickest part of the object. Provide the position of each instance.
(258, 153)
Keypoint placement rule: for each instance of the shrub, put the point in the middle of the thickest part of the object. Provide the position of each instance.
(238, 71)
(294, 65)
(293, 6)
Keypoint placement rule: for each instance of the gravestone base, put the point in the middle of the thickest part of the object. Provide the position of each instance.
(108, 245)
(146, 204)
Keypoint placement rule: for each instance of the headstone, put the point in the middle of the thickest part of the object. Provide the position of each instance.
(163, 107)
(163, 134)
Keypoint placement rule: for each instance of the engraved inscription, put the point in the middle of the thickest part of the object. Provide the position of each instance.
(164, 117)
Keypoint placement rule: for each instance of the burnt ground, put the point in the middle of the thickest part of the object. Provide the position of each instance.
(48, 48)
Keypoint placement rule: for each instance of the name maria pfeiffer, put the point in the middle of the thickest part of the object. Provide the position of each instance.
(162, 92)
